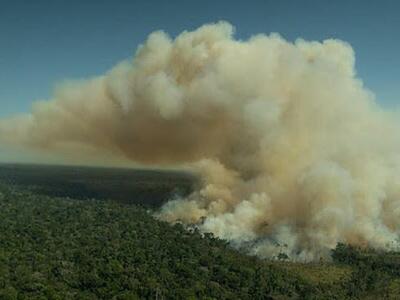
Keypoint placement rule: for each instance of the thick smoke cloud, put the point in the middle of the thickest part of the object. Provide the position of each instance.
(293, 152)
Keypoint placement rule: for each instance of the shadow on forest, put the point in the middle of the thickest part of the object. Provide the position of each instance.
(141, 187)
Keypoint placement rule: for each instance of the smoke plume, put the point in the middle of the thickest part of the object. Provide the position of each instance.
(293, 152)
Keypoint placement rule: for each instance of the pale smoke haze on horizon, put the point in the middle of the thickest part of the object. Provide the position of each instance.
(293, 152)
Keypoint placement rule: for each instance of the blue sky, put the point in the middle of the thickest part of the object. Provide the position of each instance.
(45, 42)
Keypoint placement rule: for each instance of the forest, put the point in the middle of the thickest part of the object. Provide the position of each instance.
(62, 248)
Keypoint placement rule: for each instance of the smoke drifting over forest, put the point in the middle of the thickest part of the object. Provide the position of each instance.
(293, 152)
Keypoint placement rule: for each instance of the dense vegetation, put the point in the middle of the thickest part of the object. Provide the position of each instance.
(145, 187)
(59, 248)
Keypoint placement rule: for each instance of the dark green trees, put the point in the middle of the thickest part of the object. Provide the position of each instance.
(53, 248)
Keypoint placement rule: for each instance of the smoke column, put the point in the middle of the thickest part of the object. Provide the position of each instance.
(293, 153)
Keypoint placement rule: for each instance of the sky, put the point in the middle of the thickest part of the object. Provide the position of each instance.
(43, 43)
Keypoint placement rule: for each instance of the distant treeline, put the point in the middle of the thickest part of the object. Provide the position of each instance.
(150, 188)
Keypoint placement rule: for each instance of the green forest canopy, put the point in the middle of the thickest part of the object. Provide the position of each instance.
(59, 248)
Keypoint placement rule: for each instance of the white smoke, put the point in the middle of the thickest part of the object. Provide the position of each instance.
(293, 152)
